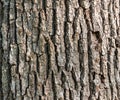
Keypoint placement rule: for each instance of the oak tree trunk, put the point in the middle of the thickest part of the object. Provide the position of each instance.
(59, 50)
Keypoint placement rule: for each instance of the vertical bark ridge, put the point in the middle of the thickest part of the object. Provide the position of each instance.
(6, 48)
(1, 49)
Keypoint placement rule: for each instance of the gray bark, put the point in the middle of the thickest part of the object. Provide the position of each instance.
(59, 50)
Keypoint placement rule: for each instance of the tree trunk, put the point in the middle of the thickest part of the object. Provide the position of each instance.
(59, 50)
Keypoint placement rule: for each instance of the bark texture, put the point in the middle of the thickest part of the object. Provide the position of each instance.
(59, 50)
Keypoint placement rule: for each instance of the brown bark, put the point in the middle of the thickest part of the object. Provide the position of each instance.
(59, 50)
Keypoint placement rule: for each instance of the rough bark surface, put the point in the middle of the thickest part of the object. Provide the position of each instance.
(59, 50)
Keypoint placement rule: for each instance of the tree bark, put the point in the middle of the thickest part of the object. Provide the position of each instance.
(59, 50)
